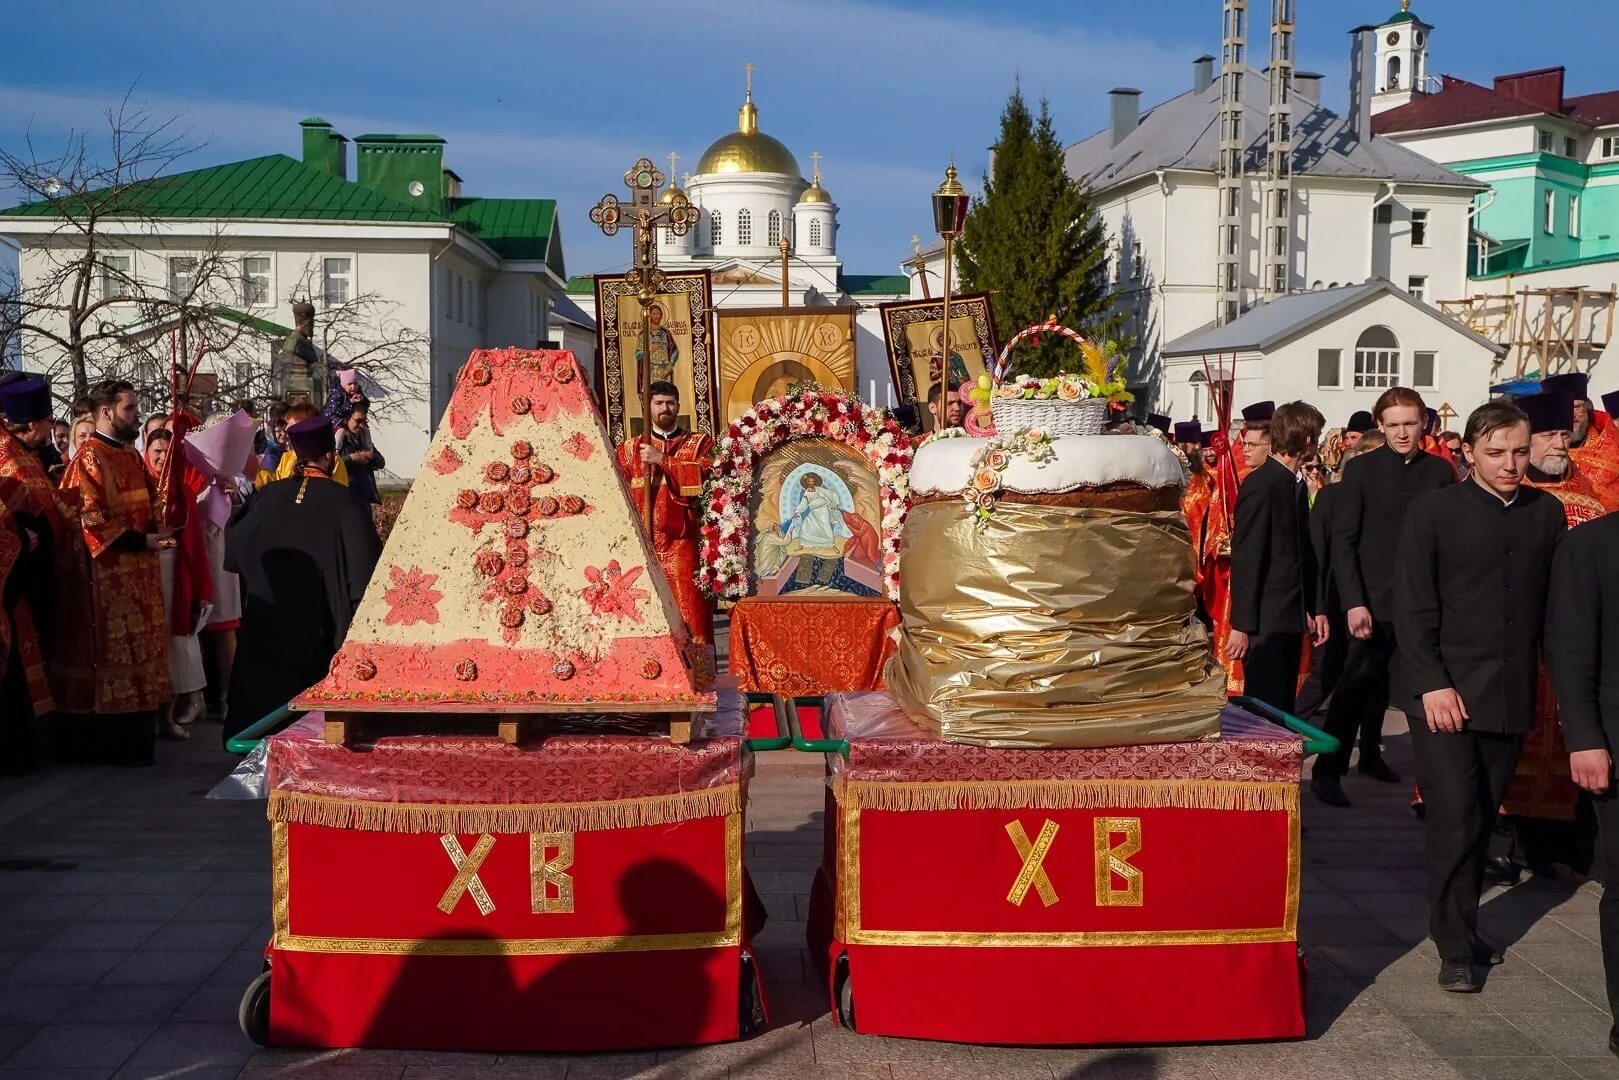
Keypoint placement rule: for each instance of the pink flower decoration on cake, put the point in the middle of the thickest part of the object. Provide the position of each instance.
(611, 591)
(411, 597)
(446, 461)
(579, 446)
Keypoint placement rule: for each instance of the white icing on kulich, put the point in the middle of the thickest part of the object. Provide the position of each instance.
(943, 466)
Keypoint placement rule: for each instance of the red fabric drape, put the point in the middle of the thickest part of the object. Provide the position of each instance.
(804, 647)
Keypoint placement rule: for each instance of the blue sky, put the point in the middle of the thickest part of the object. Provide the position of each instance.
(550, 99)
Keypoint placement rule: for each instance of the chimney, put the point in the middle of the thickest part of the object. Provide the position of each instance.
(1124, 104)
(409, 168)
(1362, 49)
(1202, 73)
(1542, 89)
(1307, 87)
(325, 149)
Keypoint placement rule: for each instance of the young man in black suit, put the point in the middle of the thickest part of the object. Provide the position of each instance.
(1273, 573)
(1469, 608)
(1371, 502)
(1582, 657)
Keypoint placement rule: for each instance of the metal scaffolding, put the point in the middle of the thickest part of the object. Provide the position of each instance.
(1278, 195)
(1228, 248)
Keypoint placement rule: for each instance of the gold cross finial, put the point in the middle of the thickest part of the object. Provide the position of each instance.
(685, 179)
(674, 159)
(916, 244)
(747, 70)
(815, 169)
(1405, 5)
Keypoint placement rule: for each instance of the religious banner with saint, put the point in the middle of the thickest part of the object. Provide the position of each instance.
(918, 355)
(765, 351)
(681, 350)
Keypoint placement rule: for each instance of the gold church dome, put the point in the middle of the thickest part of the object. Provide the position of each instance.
(747, 149)
(815, 193)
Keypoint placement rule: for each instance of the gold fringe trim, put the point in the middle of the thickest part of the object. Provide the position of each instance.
(299, 808)
(1070, 795)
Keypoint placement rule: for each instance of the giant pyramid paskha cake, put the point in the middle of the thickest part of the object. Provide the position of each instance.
(517, 578)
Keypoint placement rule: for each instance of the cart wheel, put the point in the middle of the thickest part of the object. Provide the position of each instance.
(253, 1014)
(841, 984)
(751, 1007)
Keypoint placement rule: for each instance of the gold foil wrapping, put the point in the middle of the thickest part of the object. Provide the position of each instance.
(1052, 626)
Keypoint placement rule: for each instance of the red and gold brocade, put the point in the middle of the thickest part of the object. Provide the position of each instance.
(126, 667)
(1213, 554)
(679, 484)
(1195, 505)
(811, 647)
(1598, 460)
(1541, 785)
(17, 624)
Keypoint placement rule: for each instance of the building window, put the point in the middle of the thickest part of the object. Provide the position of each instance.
(1574, 216)
(1543, 141)
(1417, 286)
(773, 228)
(1394, 73)
(1329, 368)
(182, 277)
(1138, 269)
(714, 232)
(1383, 214)
(115, 271)
(1422, 370)
(1549, 209)
(449, 293)
(1610, 146)
(1377, 359)
(1569, 147)
(335, 286)
(1419, 228)
(815, 232)
(256, 279)
(744, 227)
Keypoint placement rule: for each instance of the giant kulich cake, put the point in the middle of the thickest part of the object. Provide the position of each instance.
(517, 578)
(1046, 595)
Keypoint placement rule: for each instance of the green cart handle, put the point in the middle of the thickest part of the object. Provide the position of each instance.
(781, 740)
(1316, 741)
(839, 747)
(248, 739)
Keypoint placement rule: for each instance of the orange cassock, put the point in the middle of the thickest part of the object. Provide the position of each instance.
(674, 531)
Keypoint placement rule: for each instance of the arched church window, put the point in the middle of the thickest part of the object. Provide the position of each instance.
(773, 227)
(714, 231)
(744, 227)
(815, 232)
(1394, 73)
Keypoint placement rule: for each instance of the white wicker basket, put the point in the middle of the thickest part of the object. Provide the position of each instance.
(1085, 417)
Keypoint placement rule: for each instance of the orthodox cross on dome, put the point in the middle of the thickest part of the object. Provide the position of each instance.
(747, 74)
(815, 166)
(645, 216)
(674, 159)
(921, 265)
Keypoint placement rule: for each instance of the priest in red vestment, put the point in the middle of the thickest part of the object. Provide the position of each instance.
(128, 657)
(1542, 800)
(1593, 444)
(28, 502)
(677, 462)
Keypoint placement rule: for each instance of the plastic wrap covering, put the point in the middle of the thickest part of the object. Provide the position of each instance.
(1052, 626)
(887, 747)
(587, 773)
(248, 780)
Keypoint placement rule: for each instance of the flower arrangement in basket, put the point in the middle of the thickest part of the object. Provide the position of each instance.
(1069, 403)
(805, 411)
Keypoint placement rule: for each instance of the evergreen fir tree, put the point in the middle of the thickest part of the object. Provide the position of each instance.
(1034, 241)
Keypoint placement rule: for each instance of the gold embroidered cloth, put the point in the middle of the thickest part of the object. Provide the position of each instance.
(1052, 626)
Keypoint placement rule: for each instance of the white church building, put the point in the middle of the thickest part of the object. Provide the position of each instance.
(751, 190)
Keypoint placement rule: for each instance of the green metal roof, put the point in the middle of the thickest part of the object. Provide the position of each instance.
(875, 284)
(514, 228)
(582, 286)
(280, 187)
(274, 186)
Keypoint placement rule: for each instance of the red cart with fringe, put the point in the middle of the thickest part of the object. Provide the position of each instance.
(457, 893)
(1143, 894)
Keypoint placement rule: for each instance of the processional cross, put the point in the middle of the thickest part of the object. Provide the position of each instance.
(644, 215)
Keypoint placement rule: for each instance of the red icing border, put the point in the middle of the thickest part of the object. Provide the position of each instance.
(410, 677)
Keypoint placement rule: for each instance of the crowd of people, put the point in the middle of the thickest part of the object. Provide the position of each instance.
(134, 567)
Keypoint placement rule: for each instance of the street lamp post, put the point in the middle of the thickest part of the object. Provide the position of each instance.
(949, 218)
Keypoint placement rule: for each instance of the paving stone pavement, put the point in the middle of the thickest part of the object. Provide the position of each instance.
(133, 913)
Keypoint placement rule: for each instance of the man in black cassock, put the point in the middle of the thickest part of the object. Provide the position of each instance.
(1582, 624)
(305, 555)
(1469, 603)
(1274, 582)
